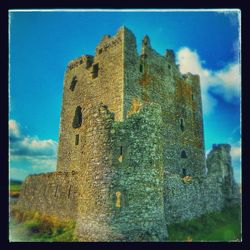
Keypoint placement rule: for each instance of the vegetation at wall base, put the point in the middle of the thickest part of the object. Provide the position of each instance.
(34, 227)
(217, 226)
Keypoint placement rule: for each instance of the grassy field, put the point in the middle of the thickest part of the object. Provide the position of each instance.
(15, 187)
(33, 227)
(217, 226)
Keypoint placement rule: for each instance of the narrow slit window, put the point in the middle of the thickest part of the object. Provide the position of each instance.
(182, 124)
(69, 191)
(141, 68)
(121, 154)
(73, 83)
(95, 70)
(118, 199)
(192, 97)
(77, 139)
(56, 190)
(184, 172)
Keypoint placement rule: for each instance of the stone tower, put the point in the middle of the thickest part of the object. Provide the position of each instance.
(123, 81)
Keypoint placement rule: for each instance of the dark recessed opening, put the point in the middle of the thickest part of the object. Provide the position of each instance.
(73, 83)
(169, 66)
(77, 121)
(95, 70)
(141, 68)
(184, 172)
(77, 140)
(183, 154)
(89, 62)
(192, 97)
(100, 51)
(69, 191)
(121, 150)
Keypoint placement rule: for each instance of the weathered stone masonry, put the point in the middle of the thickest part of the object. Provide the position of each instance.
(131, 154)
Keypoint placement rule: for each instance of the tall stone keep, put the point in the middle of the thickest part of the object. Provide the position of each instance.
(123, 80)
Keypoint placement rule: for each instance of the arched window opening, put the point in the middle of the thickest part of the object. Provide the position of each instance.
(183, 154)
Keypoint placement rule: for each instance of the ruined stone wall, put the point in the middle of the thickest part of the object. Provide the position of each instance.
(53, 194)
(185, 200)
(219, 164)
(138, 180)
(189, 197)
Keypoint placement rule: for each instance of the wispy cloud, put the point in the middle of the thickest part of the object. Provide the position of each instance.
(25, 146)
(225, 82)
(39, 154)
(236, 152)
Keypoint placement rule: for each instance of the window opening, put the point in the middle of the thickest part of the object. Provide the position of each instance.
(118, 199)
(73, 83)
(121, 154)
(77, 140)
(182, 125)
(183, 154)
(77, 121)
(184, 172)
(141, 68)
(95, 70)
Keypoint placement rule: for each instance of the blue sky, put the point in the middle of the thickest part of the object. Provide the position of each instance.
(42, 43)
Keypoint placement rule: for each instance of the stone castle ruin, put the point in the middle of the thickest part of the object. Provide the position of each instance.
(131, 156)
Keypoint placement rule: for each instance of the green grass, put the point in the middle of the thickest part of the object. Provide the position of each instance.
(217, 226)
(15, 188)
(32, 227)
(15, 185)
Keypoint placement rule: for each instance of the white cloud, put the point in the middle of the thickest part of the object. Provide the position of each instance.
(229, 79)
(14, 130)
(37, 155)
(236, 160)
(25, 146)
(225, 82)
(236, 152)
